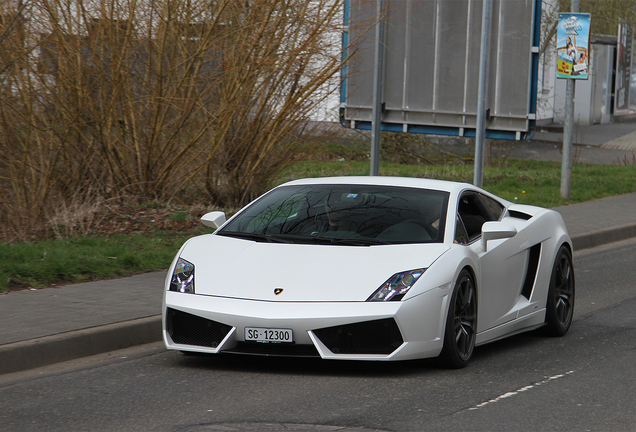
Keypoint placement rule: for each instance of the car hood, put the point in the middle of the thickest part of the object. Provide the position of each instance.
(238, 268)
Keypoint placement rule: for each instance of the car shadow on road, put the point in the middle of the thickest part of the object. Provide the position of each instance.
(305, 365)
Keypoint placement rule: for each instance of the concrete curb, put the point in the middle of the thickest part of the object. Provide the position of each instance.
(603, 237)
(34, 353)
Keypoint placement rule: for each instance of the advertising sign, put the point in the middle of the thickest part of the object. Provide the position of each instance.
(573, 36)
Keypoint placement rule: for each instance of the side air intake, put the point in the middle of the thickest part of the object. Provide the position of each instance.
(519, 215)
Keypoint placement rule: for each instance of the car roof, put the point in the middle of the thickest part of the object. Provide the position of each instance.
(441, 185)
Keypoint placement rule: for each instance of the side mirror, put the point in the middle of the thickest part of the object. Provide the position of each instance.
(213, 219)
(495, 231)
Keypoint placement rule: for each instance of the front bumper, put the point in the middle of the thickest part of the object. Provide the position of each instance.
(344, 330)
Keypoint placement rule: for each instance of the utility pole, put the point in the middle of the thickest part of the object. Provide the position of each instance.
(482, 93)
(378, 80)
(568, 126)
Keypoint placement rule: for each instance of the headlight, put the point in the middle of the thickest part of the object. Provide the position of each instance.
(183, 277)
(396, 286)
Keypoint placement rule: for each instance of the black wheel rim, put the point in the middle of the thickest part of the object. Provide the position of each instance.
(564, 290)
(465, 318)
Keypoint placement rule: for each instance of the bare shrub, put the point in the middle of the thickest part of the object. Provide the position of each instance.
(626, 160)
(156, 98)
(412, 148)
(79, 216)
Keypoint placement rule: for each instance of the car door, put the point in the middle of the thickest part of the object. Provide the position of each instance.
(502, 266)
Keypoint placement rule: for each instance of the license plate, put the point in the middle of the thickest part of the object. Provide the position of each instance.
(268, 335)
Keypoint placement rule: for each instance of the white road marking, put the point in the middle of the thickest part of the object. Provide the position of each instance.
(521, 390)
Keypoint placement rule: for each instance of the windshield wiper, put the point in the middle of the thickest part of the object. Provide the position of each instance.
(250, 236)
(358, 241)
(294, 238)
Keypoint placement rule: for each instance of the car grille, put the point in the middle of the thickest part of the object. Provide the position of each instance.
(188, 329)
(369, 337)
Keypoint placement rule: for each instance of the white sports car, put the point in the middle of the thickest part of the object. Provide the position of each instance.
(370, 268)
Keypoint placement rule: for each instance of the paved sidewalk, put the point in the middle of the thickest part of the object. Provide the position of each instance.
(51, 325)
(602, 221)
(609, 144)
(598, 135)
(42, 327)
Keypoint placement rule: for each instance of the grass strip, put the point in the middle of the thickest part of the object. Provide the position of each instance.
(79, 259)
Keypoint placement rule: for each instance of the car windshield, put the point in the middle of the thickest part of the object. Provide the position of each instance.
(359, 215)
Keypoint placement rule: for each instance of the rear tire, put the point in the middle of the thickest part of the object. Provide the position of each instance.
(461, 323)
(560, 302)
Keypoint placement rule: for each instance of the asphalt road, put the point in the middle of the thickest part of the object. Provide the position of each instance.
(584, 381)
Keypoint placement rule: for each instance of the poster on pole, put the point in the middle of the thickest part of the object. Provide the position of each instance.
(573, 36)
(623, 78)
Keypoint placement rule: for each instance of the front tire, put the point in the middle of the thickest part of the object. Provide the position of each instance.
(461, 323)
(560, 303)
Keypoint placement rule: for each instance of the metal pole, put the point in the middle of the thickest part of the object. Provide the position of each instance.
(566, 161)
(568, 123)
(482, 92)
(378, 79)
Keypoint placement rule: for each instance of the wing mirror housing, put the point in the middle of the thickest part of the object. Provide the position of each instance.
(213, 219)
(496, 231)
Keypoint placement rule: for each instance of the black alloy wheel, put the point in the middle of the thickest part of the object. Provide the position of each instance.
(560, 303)
(461, 323)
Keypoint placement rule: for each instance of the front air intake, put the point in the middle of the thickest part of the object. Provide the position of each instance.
(188, 329)
(274, 349)
(369, 337)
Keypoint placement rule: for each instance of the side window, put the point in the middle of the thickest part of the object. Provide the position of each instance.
(495, 208)
(473, 213)
(460, 232)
